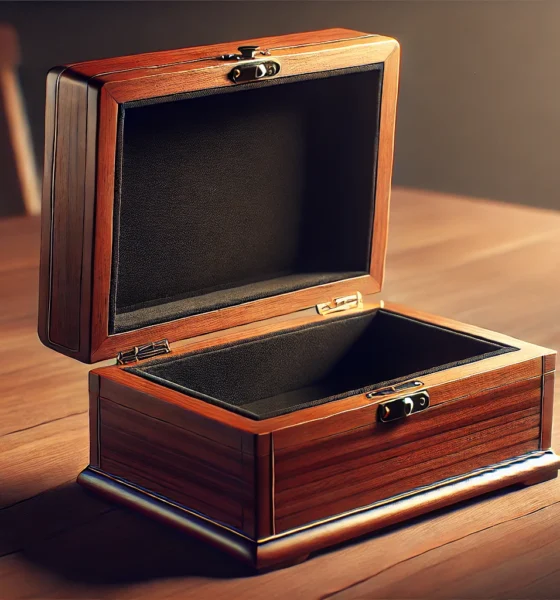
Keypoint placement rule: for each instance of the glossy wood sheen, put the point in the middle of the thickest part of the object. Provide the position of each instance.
(169, 460)
(329, 459)
(79, 182)
(294, 548)
(342, 472)
(67, 213)
(448, 256)
(547, 404)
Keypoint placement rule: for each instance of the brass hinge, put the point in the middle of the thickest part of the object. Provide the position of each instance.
(141, 352)
(340, 304)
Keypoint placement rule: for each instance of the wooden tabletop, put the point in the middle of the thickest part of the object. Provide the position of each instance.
(489, 264)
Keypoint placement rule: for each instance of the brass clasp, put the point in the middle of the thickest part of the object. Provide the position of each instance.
(340, 304)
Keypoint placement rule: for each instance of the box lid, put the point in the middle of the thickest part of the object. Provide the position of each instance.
(193, 190)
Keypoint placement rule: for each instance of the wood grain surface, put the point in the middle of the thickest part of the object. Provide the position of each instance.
(484, 263)
(333, 475)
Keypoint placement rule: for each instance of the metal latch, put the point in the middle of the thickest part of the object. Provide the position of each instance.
(252, 71)
(141, 352)
(340, 304)
(400, 408)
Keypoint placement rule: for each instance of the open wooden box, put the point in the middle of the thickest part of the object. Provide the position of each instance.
(235, 203)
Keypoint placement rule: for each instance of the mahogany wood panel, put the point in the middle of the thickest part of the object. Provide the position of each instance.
(185, 468)
(547, 407)
(341, 473)
(94, 420)
(67, 214)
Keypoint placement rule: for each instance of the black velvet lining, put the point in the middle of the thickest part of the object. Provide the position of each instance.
(229, 195)
(294, 369)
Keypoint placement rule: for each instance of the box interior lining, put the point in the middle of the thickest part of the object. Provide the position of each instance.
(290, 370)
(232, 194)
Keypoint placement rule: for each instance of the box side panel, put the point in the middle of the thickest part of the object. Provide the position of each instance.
(325, 477)
(67, 215)
(547, 409)
(93, 420)
(145, 444)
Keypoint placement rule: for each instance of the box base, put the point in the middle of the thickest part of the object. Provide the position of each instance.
(294, 546)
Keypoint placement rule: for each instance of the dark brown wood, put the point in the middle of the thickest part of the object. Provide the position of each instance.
(94, 415)
(264, 489)
(547, 408)
(67, 215)
(74, 317)
(150, 398)
(65, 289)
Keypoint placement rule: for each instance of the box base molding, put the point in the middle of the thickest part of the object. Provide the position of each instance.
(294, 546)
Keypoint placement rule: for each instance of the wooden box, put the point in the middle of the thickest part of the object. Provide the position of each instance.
(234, 203)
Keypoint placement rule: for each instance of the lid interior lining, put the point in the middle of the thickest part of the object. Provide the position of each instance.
(230, 195)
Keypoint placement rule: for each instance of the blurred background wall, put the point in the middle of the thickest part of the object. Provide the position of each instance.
(480, 86)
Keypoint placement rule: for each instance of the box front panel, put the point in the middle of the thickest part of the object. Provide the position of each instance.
(325, 477)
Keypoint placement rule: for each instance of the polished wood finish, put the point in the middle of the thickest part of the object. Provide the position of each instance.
(74, 314)
(128, 64)
(294, 547)
(356, 468)
(547, 407)
(213, 468)
(67, 232)
(193, 471)
(57, 541)
(323, 461)
(549, 362)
